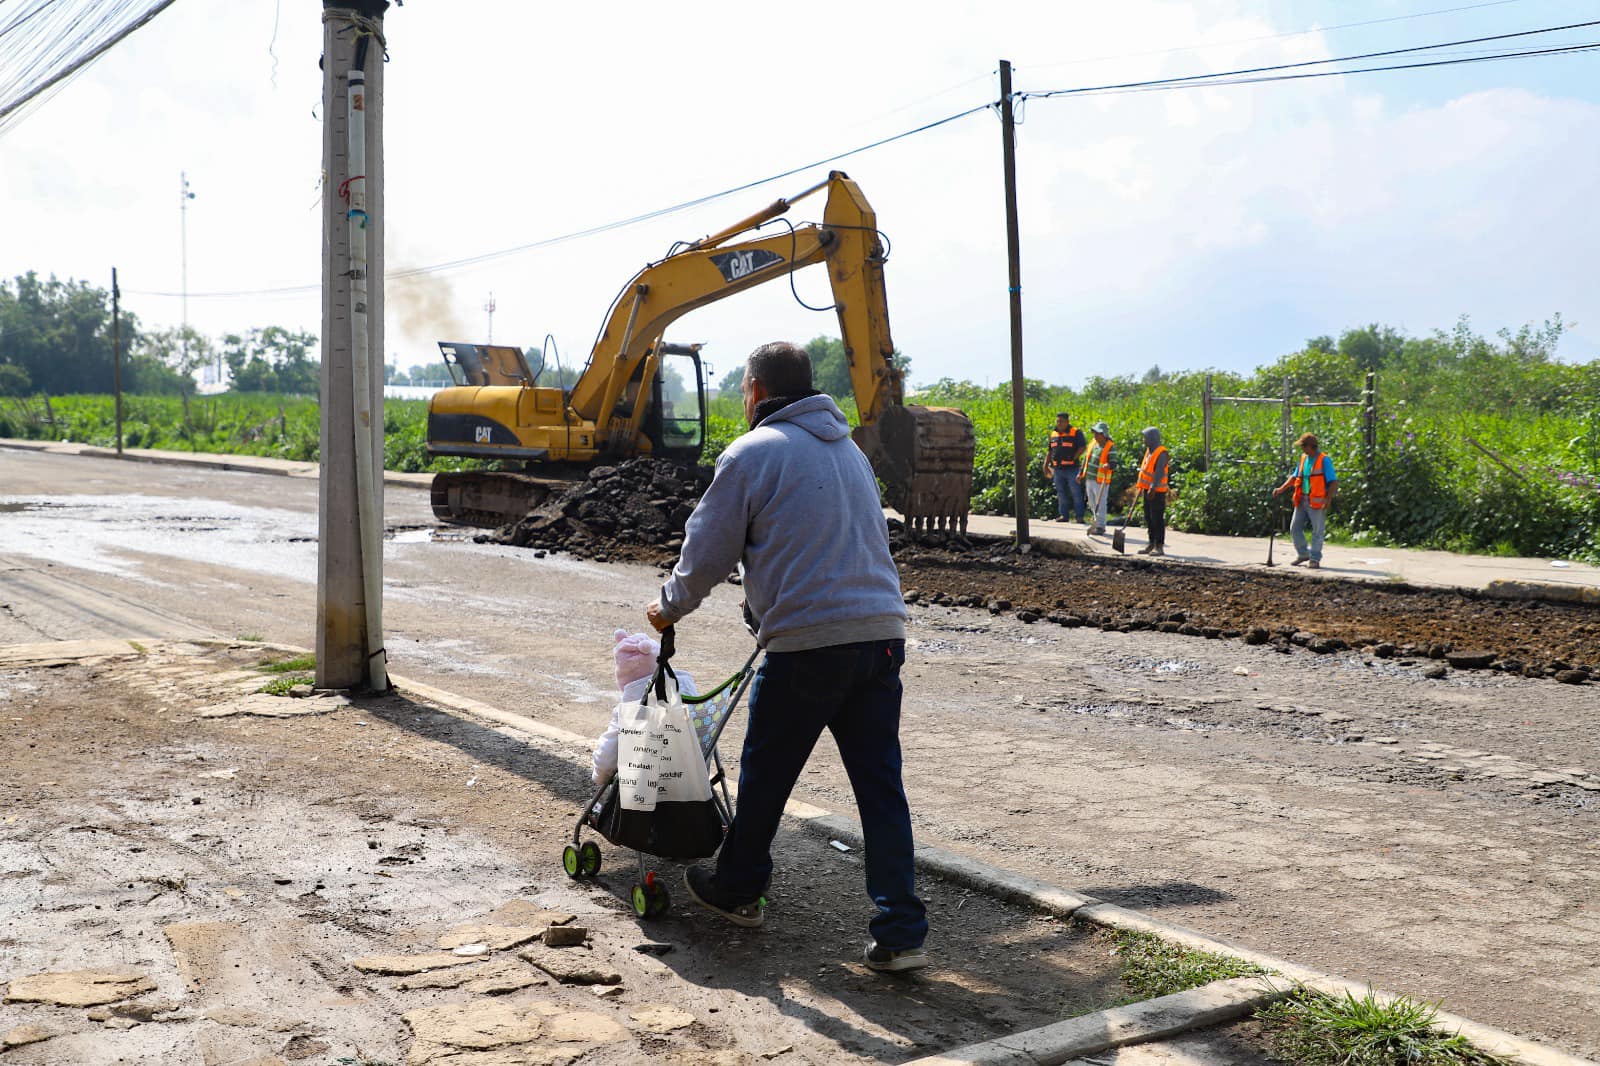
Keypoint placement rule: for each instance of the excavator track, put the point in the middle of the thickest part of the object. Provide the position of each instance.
(489, 498)
(924, 456)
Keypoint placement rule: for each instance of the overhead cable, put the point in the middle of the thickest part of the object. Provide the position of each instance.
(605, 227)
(1196, 78)
(48, 41)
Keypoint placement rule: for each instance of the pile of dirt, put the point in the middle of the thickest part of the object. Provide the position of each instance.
(632, 512)
(1460, 629)
(635, 512)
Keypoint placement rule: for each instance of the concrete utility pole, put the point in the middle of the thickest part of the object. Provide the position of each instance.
(350, 527)
(1019, 410)
(116, 353)
(184, 196)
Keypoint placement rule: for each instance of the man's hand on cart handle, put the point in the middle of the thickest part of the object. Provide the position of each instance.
(652, 614)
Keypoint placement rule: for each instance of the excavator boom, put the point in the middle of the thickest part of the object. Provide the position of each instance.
(923, 455)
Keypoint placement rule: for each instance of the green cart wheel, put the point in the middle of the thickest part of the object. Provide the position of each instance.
(659, 900)
(641, 901)
(570, 862)
(589, 859)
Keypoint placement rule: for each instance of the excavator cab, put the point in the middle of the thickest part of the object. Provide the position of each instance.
(485, 364)
(676, 423)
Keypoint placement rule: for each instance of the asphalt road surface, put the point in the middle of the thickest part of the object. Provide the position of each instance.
(1437, 838)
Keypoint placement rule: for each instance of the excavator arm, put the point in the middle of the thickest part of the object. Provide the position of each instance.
(923, 455)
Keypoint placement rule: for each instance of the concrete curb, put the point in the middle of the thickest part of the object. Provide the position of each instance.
(996, 881)
(1137, 1023)
(1583, 595)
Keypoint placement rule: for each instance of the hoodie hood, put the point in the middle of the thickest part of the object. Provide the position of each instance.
(818, 415)
(1152, 437)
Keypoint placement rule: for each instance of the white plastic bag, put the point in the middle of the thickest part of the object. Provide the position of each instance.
(663, 803)
(658, 754)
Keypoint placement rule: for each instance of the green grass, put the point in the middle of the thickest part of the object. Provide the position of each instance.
(1154, 967)
(298, 664)
(1427, 487)
(280, 685)
(1313, 1029)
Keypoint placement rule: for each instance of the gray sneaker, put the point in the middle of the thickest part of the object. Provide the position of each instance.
(703, 890)
(885, 961)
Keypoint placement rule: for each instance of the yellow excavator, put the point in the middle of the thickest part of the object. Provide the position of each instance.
(618, 407)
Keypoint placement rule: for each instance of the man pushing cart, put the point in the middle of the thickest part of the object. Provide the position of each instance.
(795, 504)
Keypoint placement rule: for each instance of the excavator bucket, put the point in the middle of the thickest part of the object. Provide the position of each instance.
(924, 457)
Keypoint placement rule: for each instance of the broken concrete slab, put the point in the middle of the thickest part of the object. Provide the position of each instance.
(661, 1017)
(570, 968)
(244, 1018)
(565, 936)
(488, 978)
(409, 964)
(264, 706)
(79, 988)
(442, 1032)
(25, 1034)
(526, 912)
(585, 1027)
(1151, 1019)
(495, 937)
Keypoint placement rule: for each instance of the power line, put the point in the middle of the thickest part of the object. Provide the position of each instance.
(605, 227)
(1245, 76)
(41, 53)
(1569, 49)
(1271, 36)
(1200, 78)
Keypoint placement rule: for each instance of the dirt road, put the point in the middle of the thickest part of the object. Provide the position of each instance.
(1434, 837)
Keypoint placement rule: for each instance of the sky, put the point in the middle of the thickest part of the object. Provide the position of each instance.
(1205, 228)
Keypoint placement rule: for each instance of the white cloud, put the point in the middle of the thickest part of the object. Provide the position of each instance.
(1209, 226)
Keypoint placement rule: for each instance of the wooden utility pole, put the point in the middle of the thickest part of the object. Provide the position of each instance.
(349, 555)
(1019, 410)
(116, 353)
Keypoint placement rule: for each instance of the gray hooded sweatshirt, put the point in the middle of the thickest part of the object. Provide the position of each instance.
(795, 504)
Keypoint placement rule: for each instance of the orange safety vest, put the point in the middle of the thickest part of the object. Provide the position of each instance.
(1102, 473)
(1062, 441)
(1147, 471)
(1319, 482)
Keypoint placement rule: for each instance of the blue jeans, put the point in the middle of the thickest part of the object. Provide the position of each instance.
(1305, 515)
(852, 690)
(1069, 492)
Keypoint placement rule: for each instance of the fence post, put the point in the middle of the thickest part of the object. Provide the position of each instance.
(1287, 428)
(1370, 416)
(1205, 425)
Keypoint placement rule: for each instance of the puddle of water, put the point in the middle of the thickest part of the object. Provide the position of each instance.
(102, 533)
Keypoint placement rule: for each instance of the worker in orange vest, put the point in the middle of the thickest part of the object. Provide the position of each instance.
(1154, 473)
(1315, 484)
(1062, 459)
(1098, 463)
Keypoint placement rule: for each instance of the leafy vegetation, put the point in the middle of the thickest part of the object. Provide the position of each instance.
(287, 666)
(1445, 401)
(1319, 1030)
(1155, 967)
(1425, 485)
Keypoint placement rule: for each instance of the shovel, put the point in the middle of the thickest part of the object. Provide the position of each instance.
(1274, 538)
(1119, 539)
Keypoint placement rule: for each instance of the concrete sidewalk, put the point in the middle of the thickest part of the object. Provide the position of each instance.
(1556, 579)
(248, 464)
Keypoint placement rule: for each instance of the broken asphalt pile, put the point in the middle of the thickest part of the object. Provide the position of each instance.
(635, 512)
(1452, 628)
